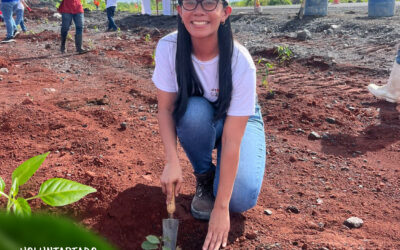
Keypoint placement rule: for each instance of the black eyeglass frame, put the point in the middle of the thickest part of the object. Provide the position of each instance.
(224, 3)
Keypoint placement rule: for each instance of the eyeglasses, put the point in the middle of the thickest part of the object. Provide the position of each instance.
(207, 5)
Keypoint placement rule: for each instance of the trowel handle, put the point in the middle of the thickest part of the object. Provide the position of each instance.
(171, 205)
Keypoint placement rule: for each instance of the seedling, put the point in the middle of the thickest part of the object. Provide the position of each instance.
(153, 58)
(54, 192)
(155, 242)
(284, 54)
(91, 44)
(147, 38)
(265, 68)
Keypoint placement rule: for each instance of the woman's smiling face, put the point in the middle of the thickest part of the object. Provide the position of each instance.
(203, 20)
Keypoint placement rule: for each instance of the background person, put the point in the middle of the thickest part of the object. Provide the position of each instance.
(390, 91)
(146, 7)
(8, 7)
(72, 10)
(207, 98)
(110, 8)
(20, 14)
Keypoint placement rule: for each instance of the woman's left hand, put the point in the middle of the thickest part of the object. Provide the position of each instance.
(218, 229)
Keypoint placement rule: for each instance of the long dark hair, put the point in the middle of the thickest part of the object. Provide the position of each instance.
(188, 81)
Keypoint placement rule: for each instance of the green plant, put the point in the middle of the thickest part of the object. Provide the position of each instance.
(54, 192)
(41, 231)
(90, 44)
(265, 68)
(284, 54)
(155, 242)
(153, 58)
(147, 38)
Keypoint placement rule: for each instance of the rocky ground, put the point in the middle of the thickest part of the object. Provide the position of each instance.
(333, 149)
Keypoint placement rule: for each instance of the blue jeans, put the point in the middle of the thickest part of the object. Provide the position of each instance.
(398, 57)
(67, 20)
(20, 19)
(199, 134)
(8, 8)
(110, 16)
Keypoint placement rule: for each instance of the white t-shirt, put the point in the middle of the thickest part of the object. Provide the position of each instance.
(20, 6)
(111, 3)
(243, 75)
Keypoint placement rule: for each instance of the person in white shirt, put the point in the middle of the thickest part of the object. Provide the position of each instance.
(110, 8)
(166, 5)
(207, 98)
(19, 20)
(146, 7)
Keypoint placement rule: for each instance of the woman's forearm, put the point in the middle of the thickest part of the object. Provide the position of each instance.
(168, 135)
(228, 169)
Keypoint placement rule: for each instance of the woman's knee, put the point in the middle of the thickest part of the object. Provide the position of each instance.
(244, 197)
(198, 113)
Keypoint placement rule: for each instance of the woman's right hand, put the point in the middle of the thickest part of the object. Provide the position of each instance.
(172, 175)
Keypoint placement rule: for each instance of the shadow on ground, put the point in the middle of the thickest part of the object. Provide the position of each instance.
(372, 138)
(138, 212)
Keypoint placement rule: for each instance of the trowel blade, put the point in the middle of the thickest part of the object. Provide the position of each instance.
(170, 232)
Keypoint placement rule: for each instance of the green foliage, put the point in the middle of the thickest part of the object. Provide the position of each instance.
(155, 242)
(153, 58)
(25, 171)
(280, 2)
(284, 54)
(129, 7)
(147, 38)
(44, 230)
(54, 192)
(265, 69)
(244, 3)
(60, 192)
(151, 242)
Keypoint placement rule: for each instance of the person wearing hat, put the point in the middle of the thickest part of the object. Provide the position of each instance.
(207, 99)
(72, 10)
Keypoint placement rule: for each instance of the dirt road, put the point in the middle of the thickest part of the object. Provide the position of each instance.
(73, 105)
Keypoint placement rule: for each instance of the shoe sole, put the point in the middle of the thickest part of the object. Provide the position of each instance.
(8, 41)
(391, 100)
(199, 214)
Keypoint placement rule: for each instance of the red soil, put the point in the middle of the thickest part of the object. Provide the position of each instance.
(354, 170)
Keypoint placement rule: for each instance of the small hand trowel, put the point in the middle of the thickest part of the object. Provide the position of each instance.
(170, 225)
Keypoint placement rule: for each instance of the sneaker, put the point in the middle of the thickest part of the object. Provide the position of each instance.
(16, 33)
(8, 40)
(203, 200)
(82, 51)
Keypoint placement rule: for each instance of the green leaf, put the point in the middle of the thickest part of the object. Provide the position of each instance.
(166, 248)
(21, 207)
(60, 192)
(25, 171)
(147, 245)
(2, 185)
(44, 230)
(14, 188)
(153, 239)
